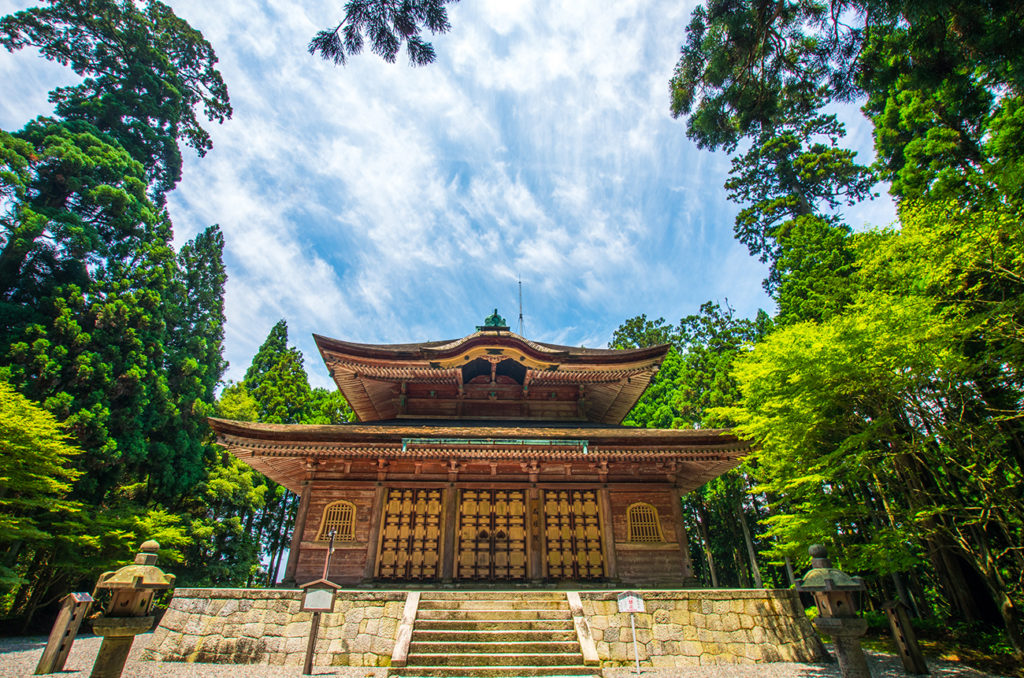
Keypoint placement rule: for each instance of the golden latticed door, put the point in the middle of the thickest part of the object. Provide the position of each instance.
(491, 535)
(572, 529)
(410, 542)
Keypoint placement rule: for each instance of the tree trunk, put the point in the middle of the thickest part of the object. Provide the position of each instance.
(754, 569)
(702, 526)
(279, 539)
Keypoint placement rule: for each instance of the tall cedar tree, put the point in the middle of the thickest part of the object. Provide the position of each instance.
(100, 320)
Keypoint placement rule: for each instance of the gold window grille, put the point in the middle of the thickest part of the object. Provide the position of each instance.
(643, 524)
(341, 517)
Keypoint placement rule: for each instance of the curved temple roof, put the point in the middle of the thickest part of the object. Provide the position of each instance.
(491, 374)
(285, 452)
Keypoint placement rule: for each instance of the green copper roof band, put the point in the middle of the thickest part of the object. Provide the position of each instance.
(495, 441)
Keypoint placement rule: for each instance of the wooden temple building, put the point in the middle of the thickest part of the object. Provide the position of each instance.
(487, 459)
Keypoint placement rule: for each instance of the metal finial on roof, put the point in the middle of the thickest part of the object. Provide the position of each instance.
(493, 322)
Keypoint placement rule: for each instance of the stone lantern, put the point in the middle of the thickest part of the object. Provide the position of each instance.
(127, 615)
(837, 611)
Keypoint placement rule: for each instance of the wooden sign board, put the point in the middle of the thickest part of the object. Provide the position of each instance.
(630, 601)
(318, 600)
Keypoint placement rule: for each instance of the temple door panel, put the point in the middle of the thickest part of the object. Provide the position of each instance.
(410, 540)
(491, 535)
(572, 531)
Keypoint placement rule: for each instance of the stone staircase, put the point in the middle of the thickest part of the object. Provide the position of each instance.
(501, 634)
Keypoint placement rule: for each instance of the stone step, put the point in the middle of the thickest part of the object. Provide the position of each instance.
(491, 671)
(565, 635)
(475, 604)
(492, 595)
(468, 615)
(422, 659)
(504, 646)
(497, 624)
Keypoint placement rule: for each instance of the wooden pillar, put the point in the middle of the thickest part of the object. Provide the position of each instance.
(449, 515)
(298, 531)
(535, 544)
(373, 539)
(684, 545)
(611, 570)
(543, 551)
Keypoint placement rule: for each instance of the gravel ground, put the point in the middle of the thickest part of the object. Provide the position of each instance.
(18, 658)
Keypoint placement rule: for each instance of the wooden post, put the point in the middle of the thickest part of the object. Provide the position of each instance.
(608, 534)
(300, 528)
(449, 515)
(74, 609)
(537, 553)
(307, 667)
(373, 540)
(906, 639)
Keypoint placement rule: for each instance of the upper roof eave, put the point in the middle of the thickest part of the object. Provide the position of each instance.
(435, 350)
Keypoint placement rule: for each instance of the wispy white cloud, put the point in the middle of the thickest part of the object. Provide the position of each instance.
(380, 202)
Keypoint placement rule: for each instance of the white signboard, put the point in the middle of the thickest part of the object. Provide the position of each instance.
(630, 601)
(318, 600)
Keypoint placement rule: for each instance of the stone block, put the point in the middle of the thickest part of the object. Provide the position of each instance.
(375, 612)
(663, 662)
(690, 648)
(746, 621)
(663, 632)
(193, 625)
(296, 644)
(382, 646)
(730, 622)
(360, 643)
(662, 616)
(388, 628)
(720, 607)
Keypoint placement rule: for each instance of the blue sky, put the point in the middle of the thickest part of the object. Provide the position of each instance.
(383, 203)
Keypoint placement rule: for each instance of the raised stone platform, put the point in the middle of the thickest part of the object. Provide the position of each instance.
(680, 627)
(698, 627)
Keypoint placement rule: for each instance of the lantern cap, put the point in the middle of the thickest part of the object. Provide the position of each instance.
(823, 577)
(142, 574)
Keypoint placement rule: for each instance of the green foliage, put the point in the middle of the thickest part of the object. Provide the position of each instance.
(892, 429)
(942, 84)
(145, 70)
(101, 322)
(694, 378)
(36, 460)
(387, 24)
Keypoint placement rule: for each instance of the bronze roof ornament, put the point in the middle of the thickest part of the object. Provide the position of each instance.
(493, 323)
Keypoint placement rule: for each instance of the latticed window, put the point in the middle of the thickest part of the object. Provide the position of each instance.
(642, 521)
(339, 516)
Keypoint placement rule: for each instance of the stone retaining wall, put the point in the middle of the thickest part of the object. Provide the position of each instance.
(679, 628)
(266, 626)
(703, 626)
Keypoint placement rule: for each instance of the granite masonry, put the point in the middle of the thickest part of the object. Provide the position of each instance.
(700, 627)
(679, 628)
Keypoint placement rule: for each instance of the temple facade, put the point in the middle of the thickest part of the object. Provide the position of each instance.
(490, 459)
